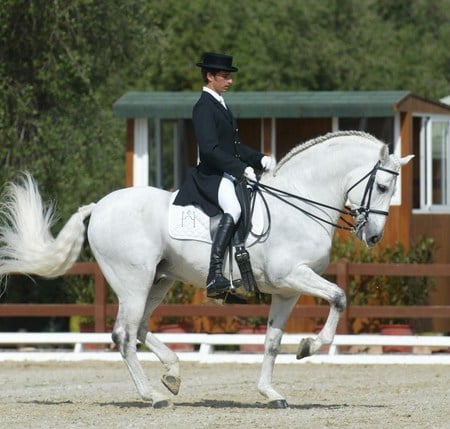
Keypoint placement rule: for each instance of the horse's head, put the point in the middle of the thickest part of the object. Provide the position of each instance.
(370, 195)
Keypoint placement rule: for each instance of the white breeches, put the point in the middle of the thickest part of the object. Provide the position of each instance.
(228, 200)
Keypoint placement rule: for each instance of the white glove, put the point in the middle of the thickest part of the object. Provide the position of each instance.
(268, 163)
(249, 174)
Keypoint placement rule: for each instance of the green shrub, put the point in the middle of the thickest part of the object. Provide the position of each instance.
(384, 289)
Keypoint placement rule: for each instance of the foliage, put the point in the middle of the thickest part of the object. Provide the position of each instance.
(65, 63)
(382, 289)
(179, 293)
(253, 322)
(258, 299)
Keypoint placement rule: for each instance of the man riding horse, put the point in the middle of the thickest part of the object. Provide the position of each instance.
(225, 164)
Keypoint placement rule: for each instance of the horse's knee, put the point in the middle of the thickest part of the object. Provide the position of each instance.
(121, 339)
(340, 300)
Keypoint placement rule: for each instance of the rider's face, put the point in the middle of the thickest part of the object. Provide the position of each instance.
(220, 81)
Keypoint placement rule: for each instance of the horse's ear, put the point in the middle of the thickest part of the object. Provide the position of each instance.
(405, 160)
(384, 153)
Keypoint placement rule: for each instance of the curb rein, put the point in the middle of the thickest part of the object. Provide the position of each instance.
(360, 214)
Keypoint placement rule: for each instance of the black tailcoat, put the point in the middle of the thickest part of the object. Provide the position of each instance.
(219, 150)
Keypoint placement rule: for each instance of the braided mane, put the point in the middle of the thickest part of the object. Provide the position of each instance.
(306, 145)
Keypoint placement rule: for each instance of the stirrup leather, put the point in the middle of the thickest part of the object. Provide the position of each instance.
(242, 258)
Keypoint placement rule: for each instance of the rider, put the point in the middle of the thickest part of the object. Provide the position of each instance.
(224, 161)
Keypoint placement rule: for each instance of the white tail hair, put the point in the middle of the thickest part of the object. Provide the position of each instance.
(27, 245)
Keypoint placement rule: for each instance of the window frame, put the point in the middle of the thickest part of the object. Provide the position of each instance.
(426, 168)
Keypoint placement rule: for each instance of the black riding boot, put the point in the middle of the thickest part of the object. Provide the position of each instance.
(216, 283)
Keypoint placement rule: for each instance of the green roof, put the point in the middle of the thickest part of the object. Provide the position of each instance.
(178, 105)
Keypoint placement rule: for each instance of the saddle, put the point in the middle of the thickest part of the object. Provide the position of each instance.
(191, 223)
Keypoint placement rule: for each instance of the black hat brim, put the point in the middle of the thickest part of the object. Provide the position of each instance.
(217, 67)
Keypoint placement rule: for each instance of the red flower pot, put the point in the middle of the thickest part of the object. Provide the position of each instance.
(176, 328)
(252, 348)
(396, 330)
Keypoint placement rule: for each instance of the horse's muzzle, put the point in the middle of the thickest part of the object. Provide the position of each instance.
(374, 239)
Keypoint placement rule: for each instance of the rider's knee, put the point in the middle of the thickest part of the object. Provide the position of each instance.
(235, 213)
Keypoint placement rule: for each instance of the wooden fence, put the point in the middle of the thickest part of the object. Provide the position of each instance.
(343, 270)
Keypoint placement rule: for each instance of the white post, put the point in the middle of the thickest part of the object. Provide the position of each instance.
(176, 154)
(158, 153)
(334, 124)
(397, 150)
(273, 138)
(140, 157)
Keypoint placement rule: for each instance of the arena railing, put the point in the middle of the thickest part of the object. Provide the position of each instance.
(206, 348)
(343, 270)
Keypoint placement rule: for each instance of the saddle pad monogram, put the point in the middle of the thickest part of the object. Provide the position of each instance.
(188, 223)
(191, 223)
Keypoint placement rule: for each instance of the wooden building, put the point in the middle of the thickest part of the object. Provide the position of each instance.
(161, 146)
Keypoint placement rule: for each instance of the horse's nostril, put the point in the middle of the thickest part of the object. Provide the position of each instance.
(374, 239)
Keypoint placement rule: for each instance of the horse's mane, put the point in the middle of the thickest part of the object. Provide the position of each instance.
(306, 145)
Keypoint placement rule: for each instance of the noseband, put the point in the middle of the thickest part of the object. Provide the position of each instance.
(361, 214)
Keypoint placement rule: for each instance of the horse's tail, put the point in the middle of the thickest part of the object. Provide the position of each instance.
(27, 244)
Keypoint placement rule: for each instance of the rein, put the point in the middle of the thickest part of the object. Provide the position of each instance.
(360, 214)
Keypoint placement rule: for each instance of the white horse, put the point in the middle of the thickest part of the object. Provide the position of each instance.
(128, 234)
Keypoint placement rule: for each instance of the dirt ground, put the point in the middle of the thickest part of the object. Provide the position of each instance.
(102, 395)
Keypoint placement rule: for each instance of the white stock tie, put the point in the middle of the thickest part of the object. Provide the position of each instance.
(222, 102)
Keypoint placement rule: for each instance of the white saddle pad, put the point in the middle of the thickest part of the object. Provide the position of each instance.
(191, 223)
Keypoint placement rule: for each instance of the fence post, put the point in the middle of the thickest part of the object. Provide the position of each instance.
(342, 279)
(99, 300)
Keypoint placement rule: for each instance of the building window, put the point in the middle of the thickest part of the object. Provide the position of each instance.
(434, 172)
(382, 128)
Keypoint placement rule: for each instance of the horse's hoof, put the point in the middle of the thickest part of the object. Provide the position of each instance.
(172, 383)
(278, 404)
(304, 348)
(163, 403)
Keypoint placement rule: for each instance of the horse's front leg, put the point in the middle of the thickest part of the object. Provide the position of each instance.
(315, 285)
(280, 310)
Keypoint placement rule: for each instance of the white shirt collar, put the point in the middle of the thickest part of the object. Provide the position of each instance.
(218, 97)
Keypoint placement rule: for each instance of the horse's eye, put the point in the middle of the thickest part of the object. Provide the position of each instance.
(382, 188)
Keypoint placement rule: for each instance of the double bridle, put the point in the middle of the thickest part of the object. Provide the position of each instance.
(359, 214)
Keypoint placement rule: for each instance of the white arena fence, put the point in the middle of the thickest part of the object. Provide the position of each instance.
(346, 349)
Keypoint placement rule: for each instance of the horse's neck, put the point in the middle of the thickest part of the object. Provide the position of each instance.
(320, 172)
(310, 174)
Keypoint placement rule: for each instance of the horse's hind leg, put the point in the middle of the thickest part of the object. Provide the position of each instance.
(132, 289)
(171, 379)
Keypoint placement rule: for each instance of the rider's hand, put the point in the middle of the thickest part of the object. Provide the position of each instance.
(268, 163)
(249, 174)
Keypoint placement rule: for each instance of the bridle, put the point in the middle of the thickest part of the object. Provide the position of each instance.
(360, 214)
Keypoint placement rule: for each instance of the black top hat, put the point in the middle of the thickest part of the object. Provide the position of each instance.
(211, 60)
